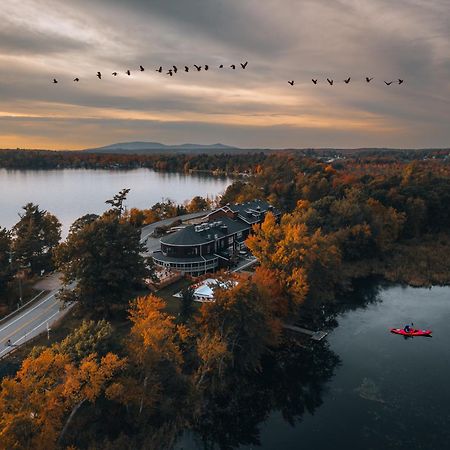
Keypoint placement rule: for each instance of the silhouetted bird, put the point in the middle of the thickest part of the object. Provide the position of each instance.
(388, 83)
(99, 75)
(347, 80)
(198, 68)
(206, 67)
(330, 82)
(175, 69)
(170, 72)
(114, 74)
(291, 82)
(369, 79)
(400, 81)
(76, 79)
(186, 68)
(244, 65)
(55, 80)
(141, 68)
(314, 81)
(128, 72)
(159, 70)
(233, 66)
(221, 66)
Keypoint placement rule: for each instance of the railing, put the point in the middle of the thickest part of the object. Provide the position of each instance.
(13, 313)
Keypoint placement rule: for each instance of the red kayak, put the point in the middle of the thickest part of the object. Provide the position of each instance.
(412, 332)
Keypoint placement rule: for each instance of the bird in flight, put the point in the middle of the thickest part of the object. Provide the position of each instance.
(170, 72)
(55, 80)
(186, 68)
(388, 83)
(99, 75)
(291, 82)
(76, 79)
(198, 67)
(141, 68)
(314, 81)
(159, 70)
(347, 80)
(114, 74)
(244, 65)
(175, 69)
(128, 72)
(330, 82)
(400, 81)
(233, 66)
(369, 79)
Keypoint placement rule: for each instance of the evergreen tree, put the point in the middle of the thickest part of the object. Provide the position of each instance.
(35, 237)
(104, 258)
(5, 265)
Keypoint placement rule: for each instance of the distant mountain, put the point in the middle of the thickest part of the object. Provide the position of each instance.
(157, 147)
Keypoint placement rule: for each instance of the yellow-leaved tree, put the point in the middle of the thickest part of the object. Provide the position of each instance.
(38, 404)
(304, 263)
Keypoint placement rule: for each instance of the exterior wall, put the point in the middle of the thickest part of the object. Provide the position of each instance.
(216, 215)
(190, 268)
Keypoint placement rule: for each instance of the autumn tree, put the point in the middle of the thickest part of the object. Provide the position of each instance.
(35, 237)
(304, 262)
(198, 203)
(155, 356)
(89, 338)
(38, 404)
(104, 258)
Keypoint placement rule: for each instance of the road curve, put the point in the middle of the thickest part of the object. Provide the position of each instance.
(31, 322)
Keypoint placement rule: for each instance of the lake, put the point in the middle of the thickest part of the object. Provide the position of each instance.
(365, 388)
(71, 193)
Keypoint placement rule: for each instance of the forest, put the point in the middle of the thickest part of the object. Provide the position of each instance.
(133, 374)
(225, 163)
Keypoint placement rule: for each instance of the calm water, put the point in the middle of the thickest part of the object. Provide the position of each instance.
(70, 194)
(369, 389)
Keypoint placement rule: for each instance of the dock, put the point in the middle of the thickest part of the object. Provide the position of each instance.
(315, 335)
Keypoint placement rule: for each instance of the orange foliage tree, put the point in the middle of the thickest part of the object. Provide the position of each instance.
(302, 261)
(37, 405)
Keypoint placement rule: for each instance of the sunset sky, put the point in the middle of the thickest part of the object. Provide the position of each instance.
(282, 40)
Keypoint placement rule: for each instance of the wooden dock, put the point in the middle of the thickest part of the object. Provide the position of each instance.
(315, 335)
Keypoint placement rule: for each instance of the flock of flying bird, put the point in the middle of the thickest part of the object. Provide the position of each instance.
(347, 81)
(174, 69)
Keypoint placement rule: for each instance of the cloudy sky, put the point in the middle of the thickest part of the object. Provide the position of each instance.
(282, 40)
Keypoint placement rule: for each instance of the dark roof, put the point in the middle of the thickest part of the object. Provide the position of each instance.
(233, 225)
(252, 211)
(189, 235)
(248, 213)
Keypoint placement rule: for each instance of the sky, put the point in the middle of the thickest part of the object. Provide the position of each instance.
(281, 40)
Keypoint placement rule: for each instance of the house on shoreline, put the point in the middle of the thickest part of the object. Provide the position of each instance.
(214, 243)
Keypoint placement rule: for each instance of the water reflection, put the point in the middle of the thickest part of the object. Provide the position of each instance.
(291, 382)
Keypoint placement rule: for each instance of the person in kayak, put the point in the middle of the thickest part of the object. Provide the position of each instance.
(408, 328)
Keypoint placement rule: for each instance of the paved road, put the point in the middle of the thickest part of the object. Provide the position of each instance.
(30, 322)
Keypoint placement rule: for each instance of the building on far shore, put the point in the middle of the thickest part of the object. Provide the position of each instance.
(213, 244)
